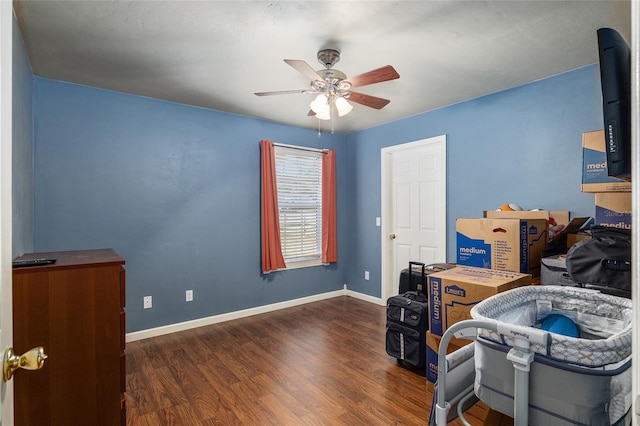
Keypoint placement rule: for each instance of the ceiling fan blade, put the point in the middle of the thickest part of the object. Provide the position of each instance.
(283, 92)
(376, 76)
(368, 100)
(305, 69)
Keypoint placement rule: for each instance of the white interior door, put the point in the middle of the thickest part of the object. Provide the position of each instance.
(413, 206)
(6, 326)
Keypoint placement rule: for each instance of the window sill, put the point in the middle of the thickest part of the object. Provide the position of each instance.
(304, 264)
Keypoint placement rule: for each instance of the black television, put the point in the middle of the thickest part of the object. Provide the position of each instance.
(615, 79)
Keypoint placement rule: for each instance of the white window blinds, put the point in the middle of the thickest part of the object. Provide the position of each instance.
(299, 183)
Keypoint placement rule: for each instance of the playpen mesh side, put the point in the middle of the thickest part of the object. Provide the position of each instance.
(560, 394)
(591, 352)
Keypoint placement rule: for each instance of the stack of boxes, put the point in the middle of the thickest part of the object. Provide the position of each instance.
(452, 294)
(498, 252)
(503, 250)
(612, 195)
(495, 253)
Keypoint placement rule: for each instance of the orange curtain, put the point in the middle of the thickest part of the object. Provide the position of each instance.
(271, 247)
(329, 244)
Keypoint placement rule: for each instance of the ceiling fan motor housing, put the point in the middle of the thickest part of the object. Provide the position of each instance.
(332, 76)
(332, 79)
(328, 57)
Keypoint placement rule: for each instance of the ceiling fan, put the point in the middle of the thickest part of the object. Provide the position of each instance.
(333, 88)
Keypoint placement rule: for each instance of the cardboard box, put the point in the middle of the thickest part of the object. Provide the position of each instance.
(502, 244)
(454, 292)
(574, 238)
(561, 239)
(594, 166)
(560, 216)
(613, 209)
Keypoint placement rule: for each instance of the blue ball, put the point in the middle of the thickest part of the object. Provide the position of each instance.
(560, 324)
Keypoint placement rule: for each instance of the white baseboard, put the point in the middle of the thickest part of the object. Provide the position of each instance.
(366, 297)
(187, 325)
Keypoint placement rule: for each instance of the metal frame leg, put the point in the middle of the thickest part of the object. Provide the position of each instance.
(521, 357)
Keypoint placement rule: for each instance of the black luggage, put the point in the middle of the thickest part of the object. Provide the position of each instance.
(603, 262)
(414, 278)
(407, 324)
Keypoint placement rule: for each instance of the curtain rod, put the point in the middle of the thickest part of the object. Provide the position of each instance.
(304, 148)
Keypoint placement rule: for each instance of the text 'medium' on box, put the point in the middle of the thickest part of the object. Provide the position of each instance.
(613, 209)
(503, 244)
(595, 174)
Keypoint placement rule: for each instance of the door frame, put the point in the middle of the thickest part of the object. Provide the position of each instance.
(635, 201)
(6, 106)
(388, 281)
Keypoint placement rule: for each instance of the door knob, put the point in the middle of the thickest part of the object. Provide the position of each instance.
(392, 236)
(31, 360)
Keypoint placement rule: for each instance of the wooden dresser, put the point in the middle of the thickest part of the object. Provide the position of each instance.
(75, 309)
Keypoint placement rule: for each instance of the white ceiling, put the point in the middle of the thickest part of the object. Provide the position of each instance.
(216, 54)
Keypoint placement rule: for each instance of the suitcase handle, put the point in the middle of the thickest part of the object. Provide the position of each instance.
(422, 277)
(418, 296)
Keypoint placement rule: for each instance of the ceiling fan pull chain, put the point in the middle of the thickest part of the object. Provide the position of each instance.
(332, 113)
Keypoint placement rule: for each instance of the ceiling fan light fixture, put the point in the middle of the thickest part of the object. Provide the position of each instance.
(324, 115)
(343, 106)
(320, 104)
(344, 85)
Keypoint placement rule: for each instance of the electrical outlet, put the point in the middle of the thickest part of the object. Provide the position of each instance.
(147, 302)
(189, 296)
(366, 275)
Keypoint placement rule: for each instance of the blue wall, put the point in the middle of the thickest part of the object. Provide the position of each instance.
(522, 145)
(175, 190)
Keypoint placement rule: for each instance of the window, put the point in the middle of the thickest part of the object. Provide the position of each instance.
(299, 187)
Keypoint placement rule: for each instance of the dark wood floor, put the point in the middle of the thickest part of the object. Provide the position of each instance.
(322, 363)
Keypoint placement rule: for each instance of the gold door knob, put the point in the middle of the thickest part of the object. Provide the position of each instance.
(392, 236)
(30, 360)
